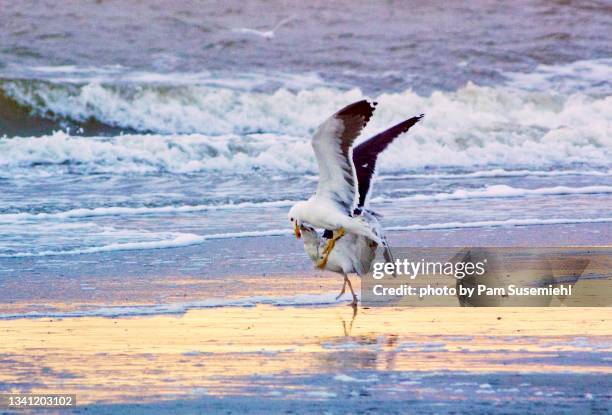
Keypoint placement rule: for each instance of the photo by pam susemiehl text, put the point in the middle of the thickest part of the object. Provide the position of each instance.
(510, 276)
(481, 289)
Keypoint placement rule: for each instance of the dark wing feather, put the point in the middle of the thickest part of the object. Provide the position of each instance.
(366, 154)
(354, 117)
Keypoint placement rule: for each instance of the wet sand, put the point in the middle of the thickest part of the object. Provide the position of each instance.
(156, 332)
(309, 359)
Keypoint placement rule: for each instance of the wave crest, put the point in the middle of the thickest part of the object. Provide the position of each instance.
(194, 127)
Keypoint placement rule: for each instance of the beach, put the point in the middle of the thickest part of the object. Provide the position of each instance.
(233, 360)
(153, 339)
(150, 153)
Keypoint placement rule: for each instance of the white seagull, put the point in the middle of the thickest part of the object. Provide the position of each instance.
(331, 207)
(267, 34)
(354, 253)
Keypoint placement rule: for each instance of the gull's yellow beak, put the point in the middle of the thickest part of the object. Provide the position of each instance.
(298, 234)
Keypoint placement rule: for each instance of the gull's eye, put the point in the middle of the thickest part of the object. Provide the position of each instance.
(291, 219)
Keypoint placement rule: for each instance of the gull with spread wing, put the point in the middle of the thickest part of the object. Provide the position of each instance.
(332, 205)
(354, 253)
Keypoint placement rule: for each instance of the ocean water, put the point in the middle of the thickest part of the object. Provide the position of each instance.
(130, 127)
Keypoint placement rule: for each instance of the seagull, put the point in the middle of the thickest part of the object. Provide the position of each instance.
(331, 207)
(268, 34)
(354, 253)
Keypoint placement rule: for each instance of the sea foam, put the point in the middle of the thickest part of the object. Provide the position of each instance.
(181, 308)
(189, 239)
(494, 191)
(131, 211)
(199, 126)
(498, 191)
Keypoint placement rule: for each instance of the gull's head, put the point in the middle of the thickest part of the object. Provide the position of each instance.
(295, 216)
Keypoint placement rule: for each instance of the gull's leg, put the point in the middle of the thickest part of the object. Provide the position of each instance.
(343, 289)
(355, 301)
(328, 248)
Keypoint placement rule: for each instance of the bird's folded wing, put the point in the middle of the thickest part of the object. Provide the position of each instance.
(332, 143)
(366, 154)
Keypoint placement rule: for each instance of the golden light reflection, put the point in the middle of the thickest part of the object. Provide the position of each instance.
(219, 349)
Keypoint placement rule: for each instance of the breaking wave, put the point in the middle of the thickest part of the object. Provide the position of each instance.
(138, 122)
(569, 96)
(426, 146)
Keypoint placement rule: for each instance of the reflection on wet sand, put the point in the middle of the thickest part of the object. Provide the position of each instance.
(222, 351)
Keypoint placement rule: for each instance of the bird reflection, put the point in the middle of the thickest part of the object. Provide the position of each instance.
(347, 329)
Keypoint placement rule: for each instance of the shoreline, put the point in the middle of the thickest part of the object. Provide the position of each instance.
(262, 266)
